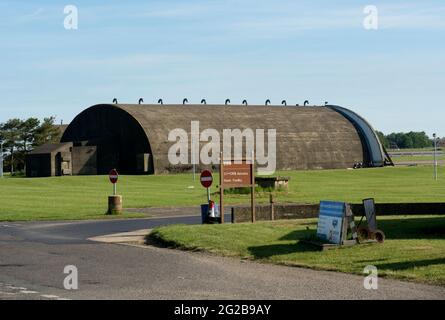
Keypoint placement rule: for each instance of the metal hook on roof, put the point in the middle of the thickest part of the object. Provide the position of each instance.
(244, 102)
(267, 102)
(115, 100)
(227, 102)
(305, 102)
(203, 101)
(284, 102)
(185, 101)
(140, 101)
(325, 103)
(160, 101)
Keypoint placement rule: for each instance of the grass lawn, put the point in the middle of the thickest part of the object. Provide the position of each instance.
(416, 158)
(414, 149)
(414, 248)
(85, 197)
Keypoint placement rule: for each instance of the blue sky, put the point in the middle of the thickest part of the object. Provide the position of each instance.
(250, 49)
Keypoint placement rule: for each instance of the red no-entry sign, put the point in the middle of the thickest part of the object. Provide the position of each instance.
(114, 176)
(206, 178)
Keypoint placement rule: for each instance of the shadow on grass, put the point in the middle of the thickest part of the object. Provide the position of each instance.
(299, 235)
(261, 252)
(267, 251)
(396, 228)
(410, 264)
(413, 228)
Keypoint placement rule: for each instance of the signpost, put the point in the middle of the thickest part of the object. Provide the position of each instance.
(114, 176)
(236, 174)
(209, 210)
(206, 181)
(114, 201)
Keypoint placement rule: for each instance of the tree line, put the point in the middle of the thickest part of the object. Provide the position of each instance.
(402, 140)
(18, 137)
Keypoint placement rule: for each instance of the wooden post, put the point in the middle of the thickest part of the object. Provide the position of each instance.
(221, 187)
(272, 209)
(252, 193)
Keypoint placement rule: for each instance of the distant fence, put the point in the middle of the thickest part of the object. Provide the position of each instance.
(300, 211)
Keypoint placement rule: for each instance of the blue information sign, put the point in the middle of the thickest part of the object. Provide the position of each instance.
(330, 221)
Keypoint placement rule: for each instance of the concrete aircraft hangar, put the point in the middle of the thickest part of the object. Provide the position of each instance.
(133, 138)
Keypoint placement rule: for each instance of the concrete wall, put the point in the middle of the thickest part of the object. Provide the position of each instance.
(84, 160)
(47, 160)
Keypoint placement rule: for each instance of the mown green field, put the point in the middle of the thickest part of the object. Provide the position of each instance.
(85, 197)
(416, 158)
(414, 248)
(414, 149)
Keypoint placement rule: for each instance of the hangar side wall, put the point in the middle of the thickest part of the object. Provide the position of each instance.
(307, 137)
(134, 138)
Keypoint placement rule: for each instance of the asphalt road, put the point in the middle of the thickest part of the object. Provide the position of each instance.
(33, 257)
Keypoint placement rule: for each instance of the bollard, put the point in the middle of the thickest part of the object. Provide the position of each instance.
(114, 205)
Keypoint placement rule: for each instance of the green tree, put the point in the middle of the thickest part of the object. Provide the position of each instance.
(420, 139)
(10, 132)
(409, 140)
(47, 132)
(383, 139)
(406, 141)
(28, 131)
(21, 136)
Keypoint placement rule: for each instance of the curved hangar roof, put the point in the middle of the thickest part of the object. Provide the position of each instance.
(307, 137)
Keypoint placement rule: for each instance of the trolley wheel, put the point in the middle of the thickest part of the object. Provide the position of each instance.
(379, 236)
(363, 233)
